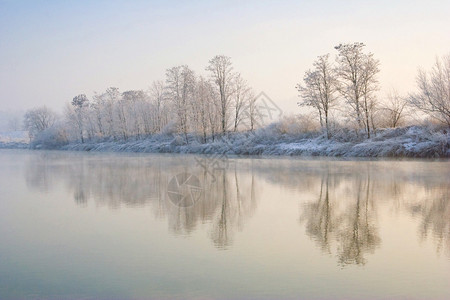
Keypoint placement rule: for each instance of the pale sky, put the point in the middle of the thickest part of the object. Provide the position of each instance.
(51, 51)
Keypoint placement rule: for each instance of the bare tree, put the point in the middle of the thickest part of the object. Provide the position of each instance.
(91, 124)
(357, 72)
(196, 105)
(319, 90)
(201, 107)
(213, 110)
(369, 86)
(188, 82)
(221, 70)
(394, 110)
(158, 96)
(241, 97)
(39, 119)
(80, 105)
(252, 111)
(146, 112)
(112, 96)
(173, 86)
(97, 106)
(133, 100)
(122, 115)
(180, 82)
(433, 96)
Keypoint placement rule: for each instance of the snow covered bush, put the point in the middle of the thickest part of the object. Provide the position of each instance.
(53, 137)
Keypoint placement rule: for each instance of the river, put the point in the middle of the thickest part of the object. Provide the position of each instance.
(149, 226)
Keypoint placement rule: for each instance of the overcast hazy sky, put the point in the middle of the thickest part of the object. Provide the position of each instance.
(51, 51)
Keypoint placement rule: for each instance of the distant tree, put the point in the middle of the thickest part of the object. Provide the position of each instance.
(357, 73)
(14, 123)
(180, 83)
(221, 70)
(369, 84)
(146, 114)
(122, 116)
(173, 88)
(201, 106)
(37, 120)
(433, 96)
(133, 101)
(188, 83)
(252, 111)
(158, 96)
(319, 90)
(98, 106)
(213, 109)
(394, 109)
(112, 98)
(241, 96)
(80, 106)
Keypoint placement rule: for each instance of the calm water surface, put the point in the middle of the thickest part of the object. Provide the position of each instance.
(105, 226)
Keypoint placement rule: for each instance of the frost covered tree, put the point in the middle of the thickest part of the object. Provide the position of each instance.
(97, 106)
(206, 109)
(369, 86)
(158, 96)
(213, 108)
(356, 72)
(78, 115)
(133, 101)
(195, 105)
(200, 108)
(188, 82)
(37, 120)
(252, 111)
(112, 97)
(433, 95)
(180, 83)
(221, 71)
(173, 87)
(241, 98)
(122, 117)
(394, 109)
(319, 90)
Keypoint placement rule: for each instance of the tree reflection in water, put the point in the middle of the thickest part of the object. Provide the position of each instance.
(342, 219)
(339, 203)
(348, 222)
(236, 204)
(227, 200)
(320, 216)
(359, 234)
(434, 212)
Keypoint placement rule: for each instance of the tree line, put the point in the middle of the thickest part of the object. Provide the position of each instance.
(185, 103)
(349, 86)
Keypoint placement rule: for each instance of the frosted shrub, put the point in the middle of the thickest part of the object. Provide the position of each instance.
(51, 138)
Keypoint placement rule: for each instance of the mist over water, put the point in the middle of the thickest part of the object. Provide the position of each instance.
(98, 225)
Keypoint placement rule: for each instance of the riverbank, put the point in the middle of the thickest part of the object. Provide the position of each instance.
(14, 140)
(14, 145)
(414, 141)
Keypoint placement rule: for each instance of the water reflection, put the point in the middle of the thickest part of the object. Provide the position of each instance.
(227, 200)
(349, 222)
(237, 202)
(339, 200)
(434, 213)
